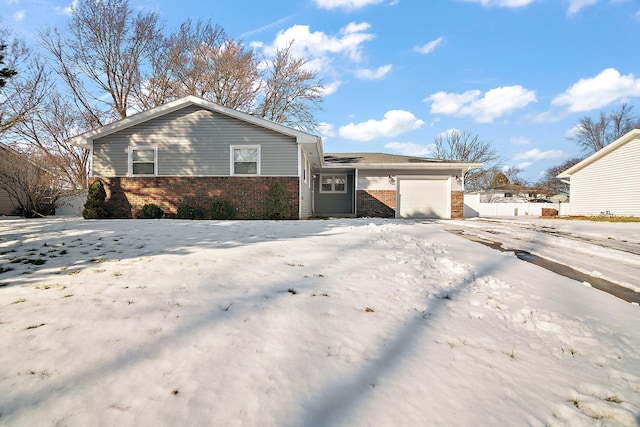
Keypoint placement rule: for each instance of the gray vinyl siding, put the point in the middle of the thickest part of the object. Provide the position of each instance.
(610, 184)
(334, 203)
(306, 200)
(194, 141)
(378, 179)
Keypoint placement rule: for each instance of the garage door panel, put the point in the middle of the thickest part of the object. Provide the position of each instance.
(424, 198)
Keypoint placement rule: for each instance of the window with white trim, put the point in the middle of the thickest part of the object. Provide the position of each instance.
(333, 183)
(142, 161)
(245, 160)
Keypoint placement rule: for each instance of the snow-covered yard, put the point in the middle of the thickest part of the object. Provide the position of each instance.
(308, 323)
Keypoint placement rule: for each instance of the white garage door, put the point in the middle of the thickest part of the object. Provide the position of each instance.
(424, 198)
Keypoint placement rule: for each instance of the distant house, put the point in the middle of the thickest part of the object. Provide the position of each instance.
(7, 206)
(607, 181)
(513, 193)
(193, 149)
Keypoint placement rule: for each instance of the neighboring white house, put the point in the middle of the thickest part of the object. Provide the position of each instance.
(512, 193)
(608, 181)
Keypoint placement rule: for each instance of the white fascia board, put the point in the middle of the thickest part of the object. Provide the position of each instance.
(438, 166)
(628, 137)
(313, 150)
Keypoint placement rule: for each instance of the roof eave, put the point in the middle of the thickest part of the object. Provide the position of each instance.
(628, 137)
(435, 165)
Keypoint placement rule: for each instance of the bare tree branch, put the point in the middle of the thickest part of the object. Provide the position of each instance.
(462, 146)
(21, 93)
(592, 135)
(105, 46)
(551, 183)
(291, 91)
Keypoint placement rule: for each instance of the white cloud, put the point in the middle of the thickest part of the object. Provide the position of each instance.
(395, 122)
(319, 46)
(429, 47)
(345, 4)
(547, 116)
(520, 140)
(410, 148)
(572, 132)
(331, 87)
(280, 22)
(10, 2)
(523, 165)
(367, 74)
(592, 93)
(450, 131)
(326, 130)
(68, 10)
(19, 15)
(451, 103)
(576, 5)
(495, 102)
(502, 3)
(537, 154)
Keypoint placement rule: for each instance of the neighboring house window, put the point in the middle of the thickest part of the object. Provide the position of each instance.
(333, 183)
(245, 160)
(143, 161)
(508, 195)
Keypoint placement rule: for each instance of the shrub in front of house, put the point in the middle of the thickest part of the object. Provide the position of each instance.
(186, 212)
(221, 209)
(152, 211)
(201, 213)
(96, 205)
(277, 206)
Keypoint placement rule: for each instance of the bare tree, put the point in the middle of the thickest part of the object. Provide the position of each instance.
(462, 146)
(32, 188)
(201, 60)
(592, 135)
(156, 84)
(102, 53)
(292, 92)
(24, 82)
(49, 129)
(551, 183)
(514, 175)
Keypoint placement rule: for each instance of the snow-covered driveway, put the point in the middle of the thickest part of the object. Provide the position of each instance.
(599, 249)
(305, 323)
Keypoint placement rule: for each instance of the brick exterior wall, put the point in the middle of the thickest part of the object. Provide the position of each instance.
(248, 195)
(382, 203)
(457, 205)
(376, 203)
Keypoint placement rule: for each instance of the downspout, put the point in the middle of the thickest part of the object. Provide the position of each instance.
(355, 194)
(300, 180)
(313, 194)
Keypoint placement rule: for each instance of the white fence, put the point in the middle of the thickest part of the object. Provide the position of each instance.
(71, 204)
(474, 208)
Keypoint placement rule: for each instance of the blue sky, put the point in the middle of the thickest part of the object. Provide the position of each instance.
(397, 73)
